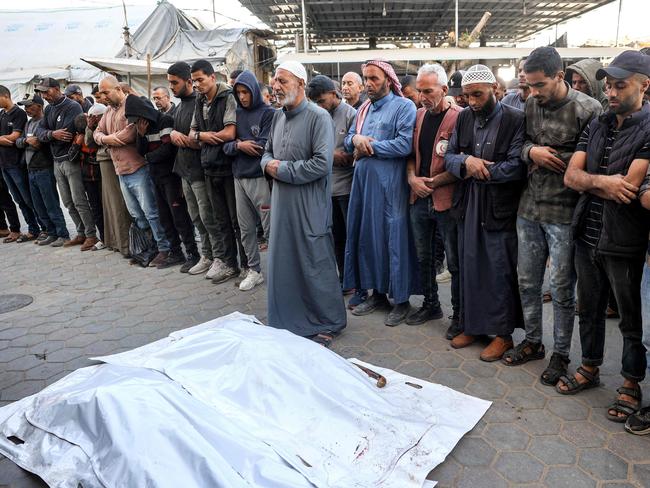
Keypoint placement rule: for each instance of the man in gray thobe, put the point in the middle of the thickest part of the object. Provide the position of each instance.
(303, 288)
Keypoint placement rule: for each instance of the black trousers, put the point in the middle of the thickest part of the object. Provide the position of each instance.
(8, 208)
(173, 214)
(94, 194)
(339, 229)
(598, 273)
(221, 193)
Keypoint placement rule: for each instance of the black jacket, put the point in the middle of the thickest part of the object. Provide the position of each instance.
(58, 115)
(188, 161)
(624, 230)
(214, 160)
(499, 201)
(156, 145)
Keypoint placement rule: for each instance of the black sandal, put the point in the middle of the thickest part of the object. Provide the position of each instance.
(557, 367)
(623, 406)
(572, 384)
(523, 352)
(324, 339)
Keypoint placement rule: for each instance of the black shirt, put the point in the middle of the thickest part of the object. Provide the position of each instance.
(13, 120)
(428, 132)
(594, 217)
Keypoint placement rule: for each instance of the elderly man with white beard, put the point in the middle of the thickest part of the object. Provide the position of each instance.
(303, 287)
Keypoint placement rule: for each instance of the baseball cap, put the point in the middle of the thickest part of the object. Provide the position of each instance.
(625, 65)
(455, 83)
(45, 83)
(34, 99)
(320, 84)
(72, 89)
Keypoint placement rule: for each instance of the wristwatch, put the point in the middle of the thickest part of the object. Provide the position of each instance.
(197, 134)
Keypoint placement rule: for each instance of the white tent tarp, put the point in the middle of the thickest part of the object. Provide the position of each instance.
(231, 403)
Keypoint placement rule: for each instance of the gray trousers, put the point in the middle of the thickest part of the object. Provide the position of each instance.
(200, 210)
(73, 195)
(251, 195)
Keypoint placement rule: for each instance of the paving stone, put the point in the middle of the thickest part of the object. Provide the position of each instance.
(507, 437)
(641, 474)
(514, 376)
(382, 346)
(568, 409)
(602, 464)
(617, 485)
(446, 473)
(526, 398)
(519, 467)
(479, 369)
(568, 477)
(473, 477)
(473, 451)
(553, 450)
(487, 388)
(584, 434)
(539, 422)
(11, 353)
(441, 360)
(502, 411)
(22, 389)
(418, 369)
(630, 447)
(413, 352)
(452, 378)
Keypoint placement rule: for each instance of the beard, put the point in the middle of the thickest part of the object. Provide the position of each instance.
(625, 106)
(487, 109)
(288, 99)
(381, 93)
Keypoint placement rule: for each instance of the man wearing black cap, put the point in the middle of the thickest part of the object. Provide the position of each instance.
(456, 89)
(57, 129)
(322, 91)
(42, 184)
(12, 125)
(74, 92)
(611, 228)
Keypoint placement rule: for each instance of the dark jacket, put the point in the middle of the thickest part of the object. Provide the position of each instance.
(499, 201)
(214, 160)
(624, 230)
(188, 161)
(253, 124)
(156, 145)
(58, 115)
(35, 159)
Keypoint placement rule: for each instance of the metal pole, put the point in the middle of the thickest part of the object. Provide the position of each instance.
(304, 28)
(457, 33)
(618, 21)
(148, 75)
(214, 13)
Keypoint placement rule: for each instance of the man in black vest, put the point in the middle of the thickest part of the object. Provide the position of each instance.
(611, 228)
(213, 124)
(485, 153)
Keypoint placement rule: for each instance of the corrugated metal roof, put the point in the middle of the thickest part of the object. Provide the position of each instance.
(345, 21)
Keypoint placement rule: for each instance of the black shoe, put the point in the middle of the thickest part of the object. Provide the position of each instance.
(174, 258)
(423, 314)
(639, 423)
(454, 329)
(189, 263)
(398, 314)
(372, 303)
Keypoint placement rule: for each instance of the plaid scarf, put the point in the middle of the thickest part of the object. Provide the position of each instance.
(395, 87)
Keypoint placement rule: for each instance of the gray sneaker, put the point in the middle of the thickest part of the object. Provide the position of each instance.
(47, 241)
(59, 242)
(224, 274)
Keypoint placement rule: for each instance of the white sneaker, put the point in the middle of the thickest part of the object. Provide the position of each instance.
(201, 267)
(253, 278)
(443, 277)
(214, 270)
(99, 246)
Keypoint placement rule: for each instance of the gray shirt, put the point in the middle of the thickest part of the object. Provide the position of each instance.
(342, 116)
(514, 100)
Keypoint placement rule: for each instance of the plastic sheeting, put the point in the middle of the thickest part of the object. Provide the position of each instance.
(230, 403)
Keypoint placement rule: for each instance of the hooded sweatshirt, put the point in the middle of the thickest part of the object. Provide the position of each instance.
(156, 145)
(587, 69)
(253, 124)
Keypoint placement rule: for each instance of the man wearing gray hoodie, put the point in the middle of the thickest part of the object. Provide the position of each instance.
(582, 77)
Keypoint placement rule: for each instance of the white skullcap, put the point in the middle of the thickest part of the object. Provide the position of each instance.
(479, 73)
(295, 68)
(97, 109)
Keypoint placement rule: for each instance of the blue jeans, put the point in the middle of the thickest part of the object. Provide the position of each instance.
(645, 305)
(140, 200)
(539, 241)
(425, 221)
(46, 202)
(18, 184)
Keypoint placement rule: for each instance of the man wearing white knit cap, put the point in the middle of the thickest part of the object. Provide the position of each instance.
(304, 295)
(485, 153)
